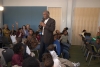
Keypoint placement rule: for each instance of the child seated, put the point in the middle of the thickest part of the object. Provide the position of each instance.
(88, 37)
(49, 56)
(26, 52)
(83, 32)
(13, 37)
(17, 58)
(64, 39)
(32, 41)
(97, 44)
(60, 61)
(57, 45)
(19, 33)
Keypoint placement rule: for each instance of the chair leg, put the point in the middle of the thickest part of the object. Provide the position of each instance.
(38, 53)
(90, 60)
(87, 56)
(85, 52)
(83, 48)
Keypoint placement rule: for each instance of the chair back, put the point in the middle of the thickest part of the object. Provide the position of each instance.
(94, 48)
(7, 54)
(5, 40)
(89, 47)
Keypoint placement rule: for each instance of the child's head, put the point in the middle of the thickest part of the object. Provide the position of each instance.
(31, 62)
(98, 40)
(23, 27)
(13, 32)
(51, 47)
(46, 56)
(57, 32)
(98, 33)
(66, 28)
(84, 31)
(5, 27)
(19, 40)
(37, 33)
(55, 37)
(48, 62)
(18, 48)
(31, 32)
(20, 30)
(27, 26)
(65, 32)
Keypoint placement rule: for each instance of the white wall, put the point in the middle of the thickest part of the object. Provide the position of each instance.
(48, 3)
(1, 14)
(87, 3)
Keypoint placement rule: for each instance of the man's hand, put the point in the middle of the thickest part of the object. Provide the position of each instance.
(42, 24)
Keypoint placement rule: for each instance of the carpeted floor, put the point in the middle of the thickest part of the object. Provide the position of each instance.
(78, 56)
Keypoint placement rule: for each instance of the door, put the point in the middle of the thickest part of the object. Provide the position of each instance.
(56, 13)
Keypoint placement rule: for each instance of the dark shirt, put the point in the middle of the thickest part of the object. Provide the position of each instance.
(88, 39)
(18, 33)
(97, 45)
(0, 38)
(17, 59)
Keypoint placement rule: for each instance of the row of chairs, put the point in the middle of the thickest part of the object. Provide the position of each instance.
(89, 50)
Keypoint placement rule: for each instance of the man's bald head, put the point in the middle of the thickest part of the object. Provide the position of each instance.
(46, 14)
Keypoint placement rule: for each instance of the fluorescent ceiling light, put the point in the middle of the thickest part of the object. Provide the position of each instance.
(1, 8)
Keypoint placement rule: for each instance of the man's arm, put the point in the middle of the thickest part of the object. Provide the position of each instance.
(52, 27)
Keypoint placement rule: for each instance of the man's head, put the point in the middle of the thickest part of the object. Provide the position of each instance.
(48, 62)
(46, 14)
(31, 62)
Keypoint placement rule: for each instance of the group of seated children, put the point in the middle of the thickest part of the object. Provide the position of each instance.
(50, 59)
(93, 41)
(24, 40)
(32, 39)
(62, 44)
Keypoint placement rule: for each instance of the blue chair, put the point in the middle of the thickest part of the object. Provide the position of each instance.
(58, 47)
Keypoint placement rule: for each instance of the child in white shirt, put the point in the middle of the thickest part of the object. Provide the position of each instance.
(13, 37)
(60, 62)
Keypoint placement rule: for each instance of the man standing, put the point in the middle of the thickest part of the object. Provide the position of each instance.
(47, 27)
